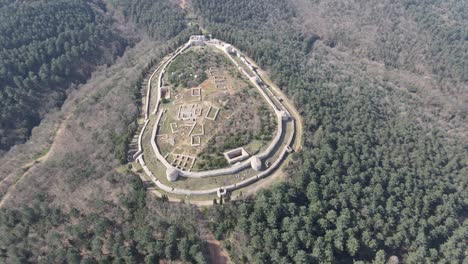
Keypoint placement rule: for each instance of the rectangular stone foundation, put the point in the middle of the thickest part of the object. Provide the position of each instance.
(236, 155)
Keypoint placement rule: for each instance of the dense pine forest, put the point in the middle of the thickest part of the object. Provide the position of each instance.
(370, 183)
(100, 214)
(44, 47)
(381, 88)
(99, 237)
(158, 19)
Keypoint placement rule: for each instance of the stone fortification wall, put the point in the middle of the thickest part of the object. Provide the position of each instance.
(231, 187)
(264, 91)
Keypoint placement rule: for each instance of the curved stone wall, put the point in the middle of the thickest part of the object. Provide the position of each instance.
(218, 172)
(231, 187)
(234, 168)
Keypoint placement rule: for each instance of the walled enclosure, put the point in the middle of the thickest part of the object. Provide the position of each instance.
(241, 160)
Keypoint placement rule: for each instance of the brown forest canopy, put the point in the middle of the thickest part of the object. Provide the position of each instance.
(380, 86)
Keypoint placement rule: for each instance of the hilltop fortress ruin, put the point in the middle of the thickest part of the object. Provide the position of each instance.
(180, 117)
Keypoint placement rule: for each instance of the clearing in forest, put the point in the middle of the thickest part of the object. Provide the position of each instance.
(216, 127)
(210, 108)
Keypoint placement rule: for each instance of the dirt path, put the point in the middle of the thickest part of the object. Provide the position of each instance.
(198, 203)
(265, 183)
(183, 4)
(216, 252)
(13, 179)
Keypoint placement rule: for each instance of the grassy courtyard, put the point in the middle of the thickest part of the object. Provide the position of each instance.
(210, 108)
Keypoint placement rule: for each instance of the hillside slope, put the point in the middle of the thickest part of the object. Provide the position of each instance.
(45, 47)
(380, 174)
(76, 203)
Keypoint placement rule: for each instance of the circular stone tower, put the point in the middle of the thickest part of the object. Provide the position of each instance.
(256, 163)
(284, 116)
(172, 174)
